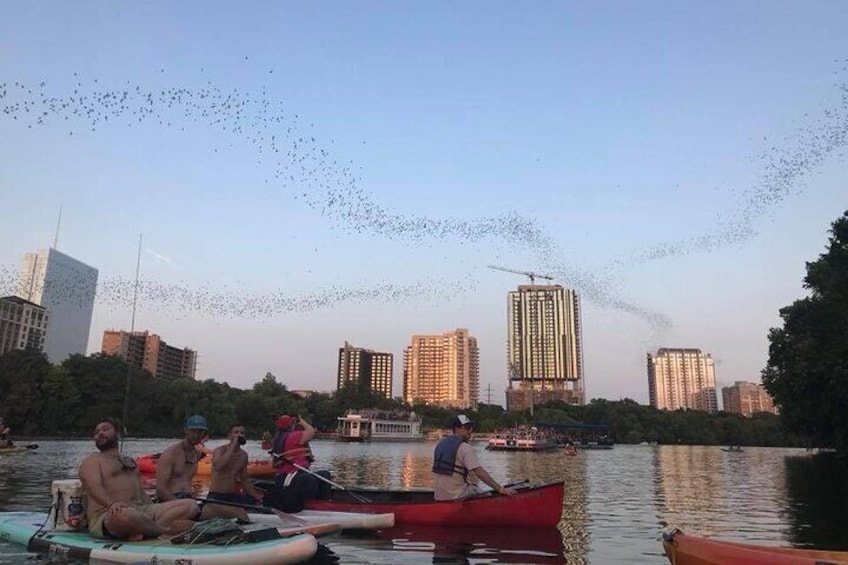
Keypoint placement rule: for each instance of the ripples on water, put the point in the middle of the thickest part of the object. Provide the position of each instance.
(615, 506)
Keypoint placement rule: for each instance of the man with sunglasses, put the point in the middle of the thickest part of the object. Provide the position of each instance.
(116, 505)
(178, 463)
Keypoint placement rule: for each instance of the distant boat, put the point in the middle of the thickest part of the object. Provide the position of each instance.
(379, 425)
(732, 449)
(520, 440)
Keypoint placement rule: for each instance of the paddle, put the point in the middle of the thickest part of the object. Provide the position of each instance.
(507, 485)
(355, 496)
(258, 509)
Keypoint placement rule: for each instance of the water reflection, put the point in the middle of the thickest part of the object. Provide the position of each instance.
(817, 490)
(464, 545)
(705, 490)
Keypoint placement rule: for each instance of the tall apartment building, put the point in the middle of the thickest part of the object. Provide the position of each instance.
(442, 369)
(144, 350)
(545, 346)
(23, 324)
(372, 370)
(682, 378)
(66, 288)
(747, 399)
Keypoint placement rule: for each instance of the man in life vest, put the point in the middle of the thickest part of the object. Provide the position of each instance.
(291, 457)
(456, 469)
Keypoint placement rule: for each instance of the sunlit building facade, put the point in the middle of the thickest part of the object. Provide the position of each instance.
(23, 324)
(682, 378)
(66, 288)
(544, 346)
(147, 351)
(747, 399)
(442, 370)
(372, 370)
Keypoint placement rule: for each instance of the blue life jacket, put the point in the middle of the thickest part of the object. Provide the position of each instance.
(444, 457)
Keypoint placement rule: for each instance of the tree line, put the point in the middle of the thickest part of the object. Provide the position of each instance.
(68, 399)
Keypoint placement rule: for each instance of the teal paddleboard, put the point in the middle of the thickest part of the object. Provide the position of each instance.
(284, 547)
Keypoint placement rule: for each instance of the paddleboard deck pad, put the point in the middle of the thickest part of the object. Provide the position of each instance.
(264, 546)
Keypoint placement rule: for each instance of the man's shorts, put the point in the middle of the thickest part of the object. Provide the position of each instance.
(97, 522)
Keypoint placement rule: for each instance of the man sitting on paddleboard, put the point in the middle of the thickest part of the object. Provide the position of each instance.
(116, 505)
(455, 465)
(178, 463)
(230, 482)
(292, 456)
(5, 435)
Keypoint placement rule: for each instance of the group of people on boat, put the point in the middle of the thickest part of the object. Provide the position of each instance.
(117, 507)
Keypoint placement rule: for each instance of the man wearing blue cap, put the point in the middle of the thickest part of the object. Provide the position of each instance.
(178, 463)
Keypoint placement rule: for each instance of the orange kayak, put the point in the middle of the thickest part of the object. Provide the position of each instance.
(682, 549)
(256, 468)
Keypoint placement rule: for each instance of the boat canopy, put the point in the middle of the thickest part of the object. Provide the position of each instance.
(592, 427)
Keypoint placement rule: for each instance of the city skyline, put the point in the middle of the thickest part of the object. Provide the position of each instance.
(305, 175)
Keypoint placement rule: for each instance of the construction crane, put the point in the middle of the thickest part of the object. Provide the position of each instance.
(530, 274)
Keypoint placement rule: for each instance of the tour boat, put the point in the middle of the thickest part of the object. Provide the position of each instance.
(519, 440)
(379, 425)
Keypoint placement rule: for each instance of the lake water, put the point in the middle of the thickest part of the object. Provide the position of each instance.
(615, 506)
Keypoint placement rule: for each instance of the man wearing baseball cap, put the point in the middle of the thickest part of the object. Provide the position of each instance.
(178, 463)
(456, 469)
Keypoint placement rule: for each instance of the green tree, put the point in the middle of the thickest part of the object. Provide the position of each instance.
(22, 373)
(807, 370)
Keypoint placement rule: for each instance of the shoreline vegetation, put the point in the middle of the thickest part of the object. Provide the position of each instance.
(65, 401)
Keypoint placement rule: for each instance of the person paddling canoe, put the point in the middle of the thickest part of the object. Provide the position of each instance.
(455, 465)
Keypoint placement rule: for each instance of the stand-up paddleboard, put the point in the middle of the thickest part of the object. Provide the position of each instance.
(347, 520)
(274, 546)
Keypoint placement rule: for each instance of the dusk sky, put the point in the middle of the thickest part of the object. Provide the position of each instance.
(309, 173)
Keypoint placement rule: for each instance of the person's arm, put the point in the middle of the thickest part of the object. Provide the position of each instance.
(92, 483)
(222, 457)
(484, 476)
(308, 431)
(164, 470)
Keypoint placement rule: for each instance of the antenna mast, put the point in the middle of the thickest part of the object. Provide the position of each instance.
(56, 235)
(129, 341)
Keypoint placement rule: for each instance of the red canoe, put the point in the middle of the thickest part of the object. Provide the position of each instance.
(682, 549)
(533, 506)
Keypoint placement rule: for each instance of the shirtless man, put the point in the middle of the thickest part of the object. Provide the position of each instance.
(178, 463)
(230, 482)
(116, 504)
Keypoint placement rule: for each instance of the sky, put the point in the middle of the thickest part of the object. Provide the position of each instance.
(305, 174)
